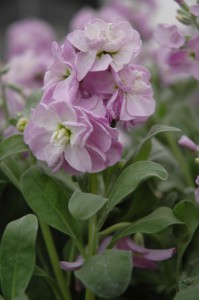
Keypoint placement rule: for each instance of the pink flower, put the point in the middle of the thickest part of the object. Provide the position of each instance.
(83, 16)
(68, 137)
(169, 36)
(142, 257)
(186, 142)
(194, 9)
(62, 73)
(29, 34)
(134, 98)
(101, 44)
(186, 60)
(27, 70)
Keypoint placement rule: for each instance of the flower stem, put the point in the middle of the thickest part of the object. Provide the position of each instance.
(4, 101)
(182, 162)
(113, 228)
(54, 260)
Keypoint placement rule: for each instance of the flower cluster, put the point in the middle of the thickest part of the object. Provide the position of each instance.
(92, 84)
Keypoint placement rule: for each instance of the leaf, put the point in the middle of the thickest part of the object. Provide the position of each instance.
(48, 200)
(12, 145)
(145, 146)
(107, 274)
(188, 294)
(84, 205)
(187, 212)
(131, 177)
(158, 220)
(17, 255)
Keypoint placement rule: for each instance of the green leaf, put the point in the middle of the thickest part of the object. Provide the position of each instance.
(32, 101)
(145, 146)
(48, 200)
(188, 294)
(107, 274)
(12, 145)
(187, 212)
(158, 220)
(131, 177)
(17, 255)
(84, 205)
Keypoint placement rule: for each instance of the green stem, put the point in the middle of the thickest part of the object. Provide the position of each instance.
(54, 260)
(92, 231)
(181, 160)
(3, 95)
(114, 228)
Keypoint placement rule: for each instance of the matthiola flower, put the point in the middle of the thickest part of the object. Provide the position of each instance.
(29, 34)
(186, 60)
(141, 257)
(62, 73)
(144, 257)
(27, 70)
(186, 142)
(194, 9)
(133, 99)
(68, 137)
(101, 44)
(169, 36)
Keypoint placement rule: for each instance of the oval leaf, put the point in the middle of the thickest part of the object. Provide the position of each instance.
(107, 274)
(131, 177)
(12, 145)
(84, 205)
(48, 200)
(17, 255)
(158, 220)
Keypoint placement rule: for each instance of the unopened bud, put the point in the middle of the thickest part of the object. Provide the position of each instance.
(183, 20)
(21, 124)
(139, 239)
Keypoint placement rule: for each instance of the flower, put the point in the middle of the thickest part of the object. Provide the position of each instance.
(69, 137)
(167, 35)
(141, 257)
(186, 142)
(197, 190)
(62, 73)
(194, 9)
(101, 44)
(29, 34)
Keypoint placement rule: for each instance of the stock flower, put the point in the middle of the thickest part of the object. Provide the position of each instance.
(186, 60)
(144, 257)
(101, 44)
(62, 73)
(68, 137)
(167, 35)
(186, 142)
(194, 9)
(134, 97)
(29, 34)
(141, 257)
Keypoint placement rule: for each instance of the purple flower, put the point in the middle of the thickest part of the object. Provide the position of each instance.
(68, 137)
(62, 73)
(29, 34)
(101, 44)
(186, 60)
(134, 96)
(141, 257)
(169, 36)
(194, 9)
(186, 142)
(144, 257)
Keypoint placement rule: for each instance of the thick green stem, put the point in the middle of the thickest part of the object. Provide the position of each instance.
(92, 231)
(181, 160)
(54, 260)
(4, 103)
